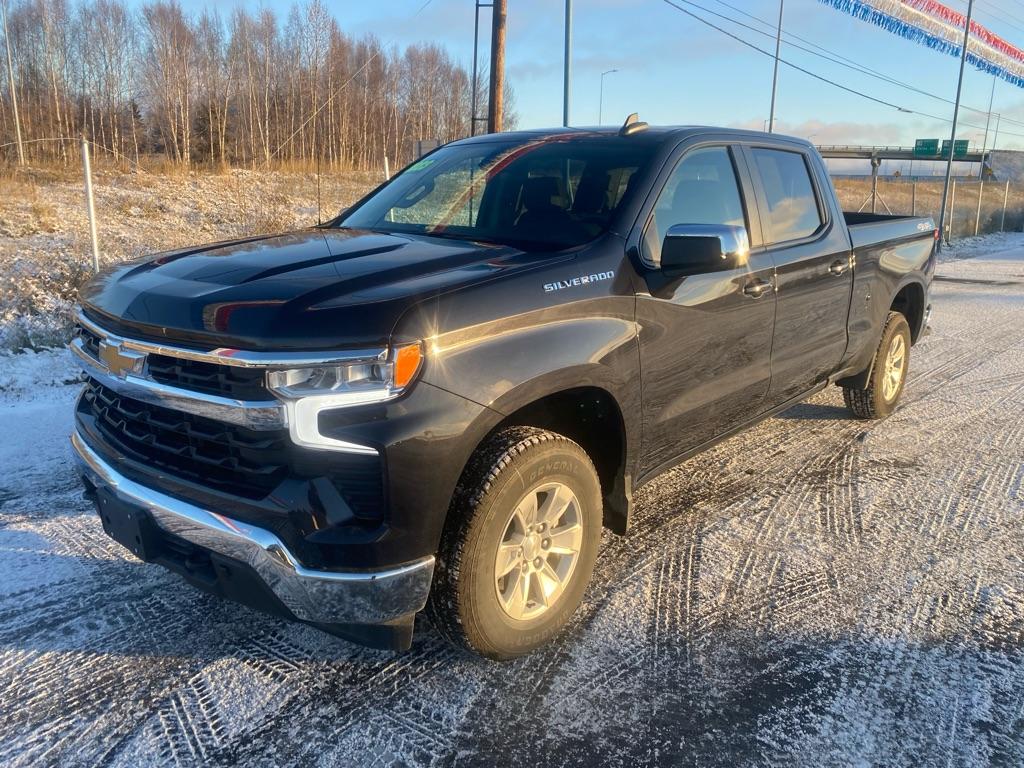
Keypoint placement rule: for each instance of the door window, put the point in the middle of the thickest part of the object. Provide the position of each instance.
(793, 211)
(701, 190)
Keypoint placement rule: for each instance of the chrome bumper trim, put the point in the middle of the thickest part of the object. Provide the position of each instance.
(325, 597)
(253, 414)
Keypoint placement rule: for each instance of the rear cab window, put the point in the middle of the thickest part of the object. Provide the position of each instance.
(793, 209)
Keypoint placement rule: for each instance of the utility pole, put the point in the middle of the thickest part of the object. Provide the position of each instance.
(956, 116)
(775, 72)
(496, 102)
(567, 76)
(10, 84)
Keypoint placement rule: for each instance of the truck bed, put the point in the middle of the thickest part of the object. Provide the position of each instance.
(871, 229)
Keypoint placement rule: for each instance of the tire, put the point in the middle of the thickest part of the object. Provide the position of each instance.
(883, 392)
(470, 603)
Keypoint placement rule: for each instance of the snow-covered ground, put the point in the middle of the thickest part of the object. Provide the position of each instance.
(817, 591)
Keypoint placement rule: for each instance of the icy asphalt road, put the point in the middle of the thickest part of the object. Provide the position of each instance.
(818, 591)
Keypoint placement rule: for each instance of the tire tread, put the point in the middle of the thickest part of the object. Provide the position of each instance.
(867, 403)
(486, 465)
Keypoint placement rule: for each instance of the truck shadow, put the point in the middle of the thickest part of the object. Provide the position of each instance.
(816, 412)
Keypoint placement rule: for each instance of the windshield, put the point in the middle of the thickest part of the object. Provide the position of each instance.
(550, 193)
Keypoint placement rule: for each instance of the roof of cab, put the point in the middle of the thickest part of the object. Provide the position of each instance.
(654, 134)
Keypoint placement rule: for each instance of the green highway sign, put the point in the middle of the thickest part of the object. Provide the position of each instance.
(926, 147)
(960, 147)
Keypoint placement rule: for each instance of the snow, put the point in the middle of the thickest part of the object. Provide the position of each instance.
(32, 374)
(991, 247)
(815, 591)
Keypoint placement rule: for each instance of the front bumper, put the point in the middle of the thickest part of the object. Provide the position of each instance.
(319, 597)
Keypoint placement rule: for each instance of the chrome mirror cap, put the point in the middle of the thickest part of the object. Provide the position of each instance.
(735, 245)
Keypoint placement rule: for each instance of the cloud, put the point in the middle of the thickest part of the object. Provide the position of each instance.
(824, 132)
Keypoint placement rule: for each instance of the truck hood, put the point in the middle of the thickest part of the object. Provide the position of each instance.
(312, 289)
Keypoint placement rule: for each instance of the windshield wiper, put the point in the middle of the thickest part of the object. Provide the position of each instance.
(465, 237)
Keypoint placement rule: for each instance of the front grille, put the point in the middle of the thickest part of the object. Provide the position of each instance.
(225, 457)
(210, 378)
(195, 375)
(240, 461)
(90, 340)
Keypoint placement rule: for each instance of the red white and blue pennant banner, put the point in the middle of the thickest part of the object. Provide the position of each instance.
(940, 27)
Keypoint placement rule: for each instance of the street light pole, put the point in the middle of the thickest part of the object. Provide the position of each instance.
(995, 141)
(600, 99)
(956, 116)
(567, 75)
(988, 121)
(775, 73)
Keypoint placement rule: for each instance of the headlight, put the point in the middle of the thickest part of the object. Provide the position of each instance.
(308, 391)
(350, 383)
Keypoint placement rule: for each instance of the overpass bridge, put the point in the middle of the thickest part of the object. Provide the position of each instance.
(875, 155)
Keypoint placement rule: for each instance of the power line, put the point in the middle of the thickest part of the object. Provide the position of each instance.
(999, 13)
(837, 58)
(808, 72)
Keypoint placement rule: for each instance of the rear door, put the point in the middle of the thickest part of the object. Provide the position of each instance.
(705, 339)
(807, 242)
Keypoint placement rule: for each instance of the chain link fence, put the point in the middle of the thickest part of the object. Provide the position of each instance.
(974, 207)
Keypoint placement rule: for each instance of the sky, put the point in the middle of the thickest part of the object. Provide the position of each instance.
(674, 70)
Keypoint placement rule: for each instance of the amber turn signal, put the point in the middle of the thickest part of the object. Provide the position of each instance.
(407, 363)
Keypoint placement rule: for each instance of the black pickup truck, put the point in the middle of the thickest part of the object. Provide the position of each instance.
(439, 398)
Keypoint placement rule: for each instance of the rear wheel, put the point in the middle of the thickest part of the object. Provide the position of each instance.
(888, 373)
(520, 543)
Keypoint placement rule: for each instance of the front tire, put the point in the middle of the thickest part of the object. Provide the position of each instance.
(888, 373)
(519, 545)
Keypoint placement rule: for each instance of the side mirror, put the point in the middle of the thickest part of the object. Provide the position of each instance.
(695, 249)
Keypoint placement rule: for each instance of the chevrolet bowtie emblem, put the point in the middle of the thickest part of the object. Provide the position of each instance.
(120, 361)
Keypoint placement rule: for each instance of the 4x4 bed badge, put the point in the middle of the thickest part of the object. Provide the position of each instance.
(577, 281)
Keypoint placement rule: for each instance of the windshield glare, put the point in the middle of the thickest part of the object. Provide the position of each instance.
(549, 193)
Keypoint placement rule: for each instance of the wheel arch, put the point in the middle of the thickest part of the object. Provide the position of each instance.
(589, 413)
(910, 300)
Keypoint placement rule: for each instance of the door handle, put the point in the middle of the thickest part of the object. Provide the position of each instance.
(755, 289)
(838, 267)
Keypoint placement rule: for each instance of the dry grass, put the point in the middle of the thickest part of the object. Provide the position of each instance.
(44, 244)
(925, 198)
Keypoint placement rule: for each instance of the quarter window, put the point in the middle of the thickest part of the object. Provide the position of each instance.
(701, 190)
(793, 211)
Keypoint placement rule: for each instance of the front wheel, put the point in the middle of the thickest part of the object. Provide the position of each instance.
(520, 543)
(888, 373)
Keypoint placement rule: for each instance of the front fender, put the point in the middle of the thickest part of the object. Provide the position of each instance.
(507, 368)
(510, 363)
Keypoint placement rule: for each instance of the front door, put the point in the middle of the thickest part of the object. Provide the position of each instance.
(705, 339)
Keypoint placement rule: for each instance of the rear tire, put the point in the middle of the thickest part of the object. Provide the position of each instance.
(888, 373)
(519, 545)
